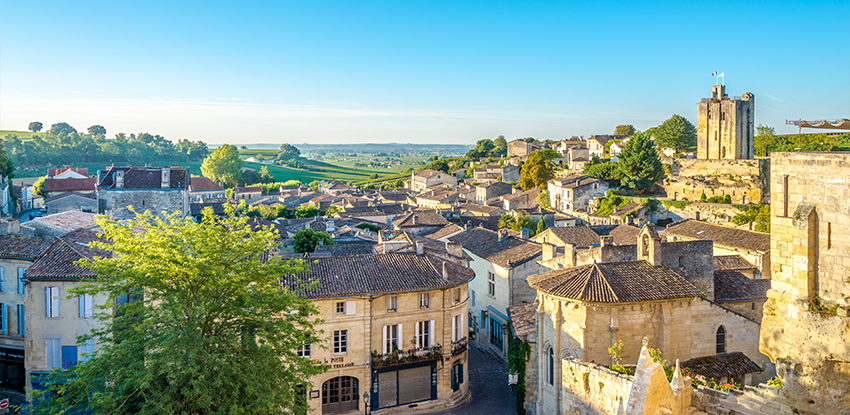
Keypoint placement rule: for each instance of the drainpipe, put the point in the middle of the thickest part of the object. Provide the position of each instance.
(557, 350)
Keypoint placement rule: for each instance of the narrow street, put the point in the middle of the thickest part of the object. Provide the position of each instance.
(489, 386)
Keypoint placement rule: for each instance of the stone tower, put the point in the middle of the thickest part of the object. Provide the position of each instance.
(726, 130)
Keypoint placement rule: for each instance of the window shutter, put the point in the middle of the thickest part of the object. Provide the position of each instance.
(460, 373)
(82, 301)
(350, 308)
(4, 309)
(454, 329)
(47, 302)
(69, 356)
(454, 379)
(432, 334)
(2, 281)
(20, 280)
(89, 305)
(400, 338)
(54, 301)
(20, 319)
(386, 328)
(416, 333)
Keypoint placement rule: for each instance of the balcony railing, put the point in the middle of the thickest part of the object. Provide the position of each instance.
(401, 357)
(459, 346)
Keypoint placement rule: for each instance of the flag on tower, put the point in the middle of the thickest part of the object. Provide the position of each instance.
(714, 73)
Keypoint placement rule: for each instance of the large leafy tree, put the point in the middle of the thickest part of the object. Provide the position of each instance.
(97, 130)
(538, 169)
(62, 128)
(677, 133)
(624, 129)
(7, 164)
(639, 166)
(223, 166)
(35, 126)
(501, 145)
(196, 321)
(288, 151)
(306, 240)
(38, 186)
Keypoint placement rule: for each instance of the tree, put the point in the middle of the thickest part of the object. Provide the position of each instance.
(541, 226)
(765, 137)
(62, 128)
(206, 311)
(223, 166)
(36, 126)
(677, 133)
(7, 163)
(265, 176)
(306, 240)
(501, 145)
(524, 221)
(506, 221)
(624, 129)
(543, 199)
(639, 165)
(38, 187)
(288, 151)
(538, 169)
(97, 130)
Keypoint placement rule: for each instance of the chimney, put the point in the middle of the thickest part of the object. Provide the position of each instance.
(524, 233)
(166, 178)
(420, 248)
(607, 240)
(548, 251)
(10, 226)
(569, 255)
(454, 249)
(445, 271)
(119, 179)
(329, 226)
(502, 235)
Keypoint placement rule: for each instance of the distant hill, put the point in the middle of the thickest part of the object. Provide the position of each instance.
(400, 148)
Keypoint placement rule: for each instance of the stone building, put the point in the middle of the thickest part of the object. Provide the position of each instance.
(248, 194)
(157, 189)
(429, 178)
(522, 148)
(496, 172)
(754, 247)
(54, 321)
(490, 191)
(17, 254)
(575, 192)
(71, 201)
(202, 188)
(396, 332)
(806, 324)
(419, 222)
(502, 263)
(744, 181)
(725, 127)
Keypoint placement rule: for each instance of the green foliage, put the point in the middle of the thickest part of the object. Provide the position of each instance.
(438, 165)
(639, 164)
(483, 148)
(538, 169)
(288, 151)
(229, 193)
(543, 199)
(524, 221)
(616, 351)
(760, 214)
(766, 141)
(62, 128)
(518, 354)
(541, 226)
(38, 186)
(35, 126)
(679, 204)
(500, 146)
(725, 387)
(677, 133)
(506, 221)
(817, 305)
(206, 312)
(314, 185)
(372, 228)
(329, 212)
(603, 171)
(623, 370)
(306, 240)
(223, 166)
(775, 382)
(610, 203)
(7, 163)
(624, 129)
(97, 130)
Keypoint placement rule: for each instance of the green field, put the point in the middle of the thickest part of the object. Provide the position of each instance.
(20, 134)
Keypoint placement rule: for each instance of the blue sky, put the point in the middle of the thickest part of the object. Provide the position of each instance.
(424, 72)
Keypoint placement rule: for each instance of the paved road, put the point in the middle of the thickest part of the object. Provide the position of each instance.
(488, 379)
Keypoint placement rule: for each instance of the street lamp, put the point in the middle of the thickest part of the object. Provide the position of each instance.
(366, 401)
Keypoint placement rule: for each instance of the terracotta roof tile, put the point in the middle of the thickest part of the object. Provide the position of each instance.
(203, 184)
(722, 365)
(57, 262)
(623, 234)
(510, 252)
(347, 248)
(582, 237)
(69, 185)
(144, 177)
(732, 286)
(738, 238)
(523, 319)
(732, 262)
(69, 194)
(615, 282)
(425, 219)
(67, 221)
(12, 246)
(357, 275)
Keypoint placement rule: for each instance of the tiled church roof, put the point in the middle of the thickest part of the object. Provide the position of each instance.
(722, 365)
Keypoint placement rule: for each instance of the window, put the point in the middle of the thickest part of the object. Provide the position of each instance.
(423, 333)
(484, 320)
(392, 304)
(472, 297)
(496, 333)
(391, 336)
(681, 261)
(345, 307)
(85, 305)
(4, 319)
(51, 302)
(340, 307)
(86, 350)
(53, 353)
(2, 281)
(424, 299)
(721, 340)
(785, 194)
(20, 281)
(457, 295)
(491, 284)
(304, 350)
(340, 341)
(20, 320)
(550, 373)
(457, 328)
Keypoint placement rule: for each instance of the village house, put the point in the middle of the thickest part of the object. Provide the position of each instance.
(202, 188)
(575, 192)
(54, 321)
(521, 199)
(490, 191)
(754, 247)
(17, 254)
(396, 332)
(157, 189)
(501, 262)
(248, 194)
(522, 148)
(430, 178)
(505, 173)
(70, 201)
(59, 224)
(419, 222)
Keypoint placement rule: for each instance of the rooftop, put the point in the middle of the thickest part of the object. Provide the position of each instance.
(510, 252)
(523, 319)
(67, 221)
(421, 219)
(144, 177)
(737, 238)
(68, 185)
(12, 246)
(203, 184)
(732, 286)
(58, 261)
(722, 365)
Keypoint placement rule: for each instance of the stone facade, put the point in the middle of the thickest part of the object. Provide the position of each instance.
(520, 147)
(574, 193)
(810, 256)
(430, 178)
(157, 189)
(725, 127)
(745, 181)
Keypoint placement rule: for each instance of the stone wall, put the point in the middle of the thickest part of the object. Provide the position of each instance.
(591, 389)
(115, 202)
(745, 181)
(725, 127)
(716, 213)
(761, 400)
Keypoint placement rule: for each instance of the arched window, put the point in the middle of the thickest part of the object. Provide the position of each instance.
(550, 376)
(721, 340)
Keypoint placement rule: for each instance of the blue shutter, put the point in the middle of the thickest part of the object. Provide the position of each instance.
(460, 373)
(20, 319)
(69, 356)
(454, 378)
(81, 299)
(4, 309)
(2, 281)
(21, 281)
